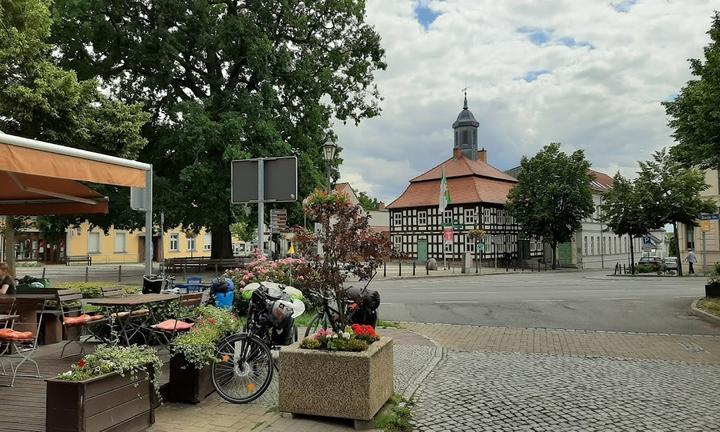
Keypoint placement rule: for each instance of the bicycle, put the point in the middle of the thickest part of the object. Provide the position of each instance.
(245, 363)
(359, 307)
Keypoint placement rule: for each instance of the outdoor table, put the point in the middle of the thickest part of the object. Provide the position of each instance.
(28, 306)
(5, 318)
(129, 304)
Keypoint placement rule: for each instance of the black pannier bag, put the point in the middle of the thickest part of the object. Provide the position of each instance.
(368, 302)
(152, 284)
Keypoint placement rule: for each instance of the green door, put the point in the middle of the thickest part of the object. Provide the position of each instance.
(565, 254)
(422, 251)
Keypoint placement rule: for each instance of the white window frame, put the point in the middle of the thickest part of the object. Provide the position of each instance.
(448, 247)
(397, 243)
(447, 217)
(123, 248)
(397, 218)
(90, 248)
(207, 242)
(469, 244)
(191, 243)
(175, 238)
(470, 216)
(422, 217)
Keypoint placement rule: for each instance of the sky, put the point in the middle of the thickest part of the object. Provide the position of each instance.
(590, 74)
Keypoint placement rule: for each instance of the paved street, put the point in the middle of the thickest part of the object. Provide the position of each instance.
(568, 300)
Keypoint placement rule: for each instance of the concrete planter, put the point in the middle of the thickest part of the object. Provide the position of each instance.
(188, 384)
(108, 402)
(351, 385)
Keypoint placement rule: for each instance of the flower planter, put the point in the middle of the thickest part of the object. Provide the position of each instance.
(352, 385)
(188, 384)
(712, 290)
(108, 402)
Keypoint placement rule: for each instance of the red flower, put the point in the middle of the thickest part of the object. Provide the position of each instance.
(81, 364)
(211, 320)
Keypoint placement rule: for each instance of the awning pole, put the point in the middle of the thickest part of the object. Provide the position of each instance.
(148, 220)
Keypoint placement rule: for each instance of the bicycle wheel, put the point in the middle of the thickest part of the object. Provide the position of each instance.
(315, 322)
(244, 369)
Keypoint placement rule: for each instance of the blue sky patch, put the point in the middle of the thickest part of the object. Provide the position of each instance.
(424, 14)
(572, 43)
(536, 35)
(534, 74)
(623, 6)
(671, 97)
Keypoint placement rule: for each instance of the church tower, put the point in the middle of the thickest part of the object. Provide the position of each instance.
(466, 132)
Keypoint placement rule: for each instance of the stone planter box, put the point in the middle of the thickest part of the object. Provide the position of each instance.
(188, 384)
(351, 385)
(712, 290)
(104, 403)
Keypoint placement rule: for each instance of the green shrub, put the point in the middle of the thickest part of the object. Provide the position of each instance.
(211, 325)
(646, 268)
(88, 289)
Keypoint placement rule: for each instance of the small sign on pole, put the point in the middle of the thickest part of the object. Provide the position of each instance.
(709, 216)
(448, 235)
(705, 225)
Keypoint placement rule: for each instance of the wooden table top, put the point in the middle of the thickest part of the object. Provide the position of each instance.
(132, 299)
(44, 296)
(4, 317)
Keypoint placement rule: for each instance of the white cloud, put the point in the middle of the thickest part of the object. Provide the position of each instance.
(601, 95)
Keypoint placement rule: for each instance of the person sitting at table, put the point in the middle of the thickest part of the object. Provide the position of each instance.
(7, 283)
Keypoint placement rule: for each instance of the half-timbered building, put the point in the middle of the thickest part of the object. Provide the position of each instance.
(478, 192)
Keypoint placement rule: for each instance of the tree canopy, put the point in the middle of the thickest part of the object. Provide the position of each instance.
(695, 113)
(552, 195)
(366, 202)
(226, 80)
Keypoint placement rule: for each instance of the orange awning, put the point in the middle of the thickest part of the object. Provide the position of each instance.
(30, 195)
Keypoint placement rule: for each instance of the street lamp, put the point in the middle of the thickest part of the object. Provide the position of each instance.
(329, 149)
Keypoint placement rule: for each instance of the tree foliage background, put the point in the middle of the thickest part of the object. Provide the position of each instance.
(226, 80)
(552, 195)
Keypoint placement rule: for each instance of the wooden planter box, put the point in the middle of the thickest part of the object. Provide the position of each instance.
(188, 384)
(106, 403)
(712, 290)
(352, 385)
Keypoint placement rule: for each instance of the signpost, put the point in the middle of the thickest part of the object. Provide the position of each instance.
(278, 221)
(447, 238)
(647, 243)
(262, 180)
(705, 219)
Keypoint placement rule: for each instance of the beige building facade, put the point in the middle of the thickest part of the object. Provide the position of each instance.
(704, 239)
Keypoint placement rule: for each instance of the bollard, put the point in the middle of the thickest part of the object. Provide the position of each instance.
(399, 268)
(119, 273)
(384, 269)
(413, 268)
(87, 270)
(216, 269)
(427, 270)
(43, 276)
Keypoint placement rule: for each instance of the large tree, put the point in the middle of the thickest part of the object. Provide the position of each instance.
(552, 195)
(624, 211)
(671, 193)
(695, 113)
(226, 79)
(42, 101)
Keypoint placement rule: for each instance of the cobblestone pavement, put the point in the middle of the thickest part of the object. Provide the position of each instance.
(476, 391)
(685, 348)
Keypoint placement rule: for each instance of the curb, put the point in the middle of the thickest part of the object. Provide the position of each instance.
(418, 379)
(702, 314)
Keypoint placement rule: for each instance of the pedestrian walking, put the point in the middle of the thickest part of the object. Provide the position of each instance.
(691, 259)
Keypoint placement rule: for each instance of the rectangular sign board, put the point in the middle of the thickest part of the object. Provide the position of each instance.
(280, 180)
(137, 198)
(709, 216)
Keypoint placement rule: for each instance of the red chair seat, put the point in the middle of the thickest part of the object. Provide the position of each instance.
(13, 335)
(173, 325)
(77, 321)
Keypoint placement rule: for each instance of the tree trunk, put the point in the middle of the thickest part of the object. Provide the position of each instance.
(9, 234)
(677, 248)
(553, 246)
(221, 243)
(632, 256)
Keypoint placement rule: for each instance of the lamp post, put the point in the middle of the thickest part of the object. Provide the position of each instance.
(329, 149)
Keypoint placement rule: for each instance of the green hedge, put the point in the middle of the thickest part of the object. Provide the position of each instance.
(95, 289)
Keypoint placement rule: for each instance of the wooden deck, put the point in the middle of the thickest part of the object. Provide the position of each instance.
(23, 406)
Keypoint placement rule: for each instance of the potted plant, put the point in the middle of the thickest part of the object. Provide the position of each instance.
(194, 353)
(114, 387)
(712, 288)
(352, 368)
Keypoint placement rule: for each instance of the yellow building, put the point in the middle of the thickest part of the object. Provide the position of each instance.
(122, 246)
(690, 237)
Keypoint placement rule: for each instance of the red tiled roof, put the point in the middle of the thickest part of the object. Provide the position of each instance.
(462, 190)
(462, 166)
(601, 182)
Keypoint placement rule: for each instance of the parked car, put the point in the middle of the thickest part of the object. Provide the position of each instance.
(651, 264)
(671, 264)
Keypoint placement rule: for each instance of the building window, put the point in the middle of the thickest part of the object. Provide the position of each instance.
(448, 247)
(470, 216)
(422, 217)
(690, 236)
(592, 245)
(174, 242)
(585, 246)
(447, 217)
(397, 219)
(120, 242)
(207, 242)
(397, 243)
(191, 243)
(469, 244)
(93, 242)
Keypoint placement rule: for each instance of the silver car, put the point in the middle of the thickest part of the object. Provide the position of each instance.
(671, 263)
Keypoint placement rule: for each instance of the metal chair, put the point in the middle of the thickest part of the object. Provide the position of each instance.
(7, 307)
(23, 345)
(74, 320)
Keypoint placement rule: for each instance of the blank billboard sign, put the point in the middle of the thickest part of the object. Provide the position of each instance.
(280, 175)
